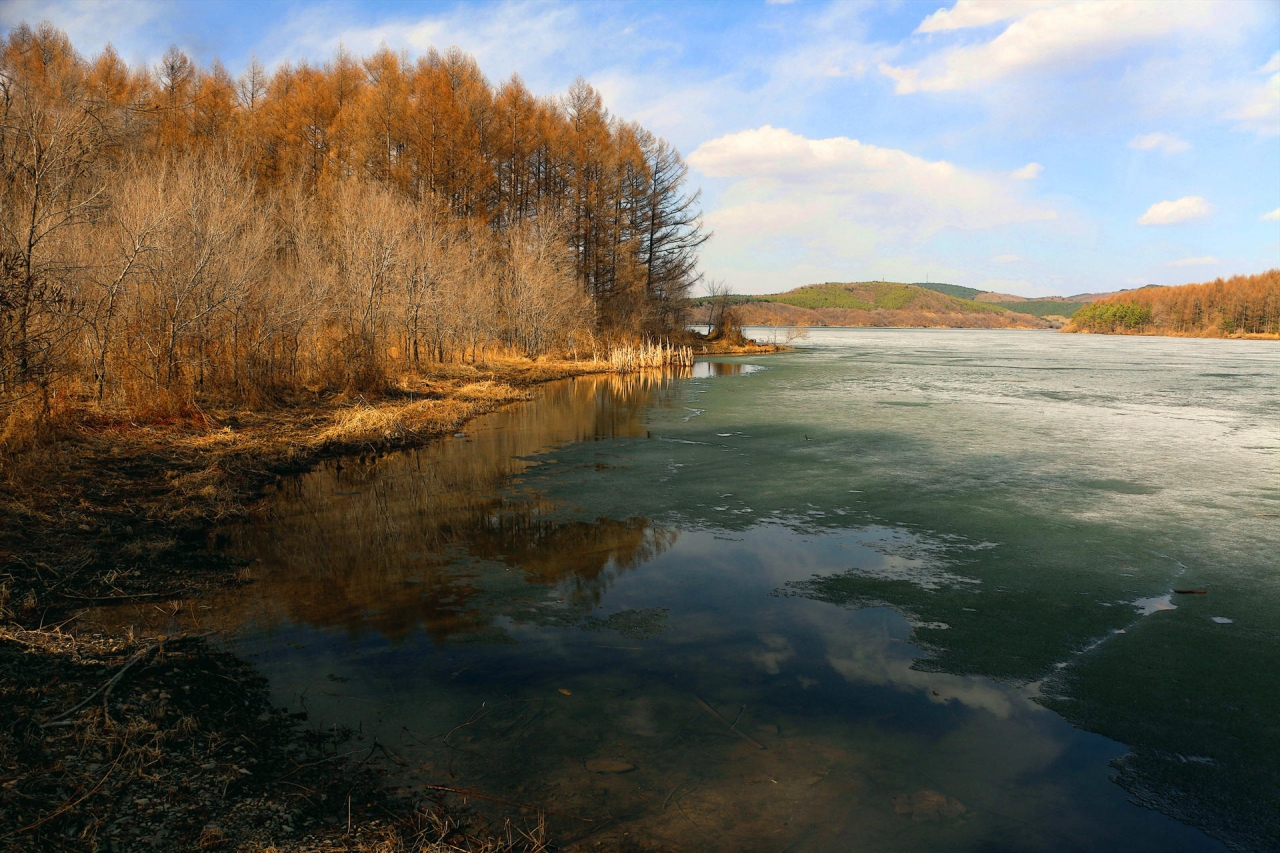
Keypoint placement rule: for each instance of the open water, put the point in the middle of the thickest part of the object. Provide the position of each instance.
(899, 590)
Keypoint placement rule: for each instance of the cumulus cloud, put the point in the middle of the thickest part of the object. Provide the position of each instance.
(1027, 172)
(1058, 36)
(1166, 142)
(977, 13)
(1207, 260)
(777, 168)
(1273, 216)
(1259, 110)
(1170, 212)
(1272, 66)
(836, 202)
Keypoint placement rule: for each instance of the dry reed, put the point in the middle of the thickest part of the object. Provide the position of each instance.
(630, 357)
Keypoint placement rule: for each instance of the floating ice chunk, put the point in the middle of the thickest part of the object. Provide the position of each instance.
(1147, 606)
(1221, 620)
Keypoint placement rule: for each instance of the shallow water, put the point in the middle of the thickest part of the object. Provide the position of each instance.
(899, 590)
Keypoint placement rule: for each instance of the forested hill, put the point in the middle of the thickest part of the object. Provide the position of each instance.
(872, 303)
(1241, 306)
(957, 290)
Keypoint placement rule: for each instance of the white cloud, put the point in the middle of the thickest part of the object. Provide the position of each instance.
(893, 187)
(1062, 36)
(1170, 212)
(130, 24)
(1260, 109)
(1166, 142)
(1207, 260)
(840, 203)
(977, 13)
(1007, 259)
(1272, 66)
(1273, 216)
(510, 37)
(1027, 172)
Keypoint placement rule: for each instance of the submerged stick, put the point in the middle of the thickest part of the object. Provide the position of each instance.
(505, 802)
(732, 726)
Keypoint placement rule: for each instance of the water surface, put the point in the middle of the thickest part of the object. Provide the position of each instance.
(899, 590)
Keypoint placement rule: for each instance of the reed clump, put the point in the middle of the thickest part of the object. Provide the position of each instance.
(630, 357)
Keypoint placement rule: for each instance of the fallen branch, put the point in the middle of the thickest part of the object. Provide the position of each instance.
(111, 682)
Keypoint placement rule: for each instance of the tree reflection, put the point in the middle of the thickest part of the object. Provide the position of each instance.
(442, 539)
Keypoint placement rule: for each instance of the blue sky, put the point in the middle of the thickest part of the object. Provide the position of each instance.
(1028, 147)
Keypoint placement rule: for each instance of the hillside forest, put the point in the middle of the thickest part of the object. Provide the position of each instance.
(869, 303)
(175, 234)
(1238, 306)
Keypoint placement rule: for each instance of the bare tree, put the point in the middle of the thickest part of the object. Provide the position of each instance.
(541, 303)
(210, 249)
(51, 181)
(672, 229)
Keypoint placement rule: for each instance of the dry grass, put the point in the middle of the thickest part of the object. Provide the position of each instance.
(424, 831)
(123, 741)
(628, 358)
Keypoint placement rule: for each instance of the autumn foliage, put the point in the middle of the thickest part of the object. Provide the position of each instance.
(176, 234)
(1241, 305)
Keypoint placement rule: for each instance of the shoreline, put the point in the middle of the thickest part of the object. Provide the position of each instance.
(113, 512)
(1243, 336)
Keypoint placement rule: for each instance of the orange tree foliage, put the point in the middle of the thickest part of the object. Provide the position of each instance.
(1239, 305)
(179, 227)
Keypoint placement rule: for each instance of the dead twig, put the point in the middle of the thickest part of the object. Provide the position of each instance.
(479, 714)
(732, 726)
(111, 683)
(109, 599)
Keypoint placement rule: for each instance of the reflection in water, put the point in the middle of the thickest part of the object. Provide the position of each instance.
(555, 610)
(399, 542)
(708, 369)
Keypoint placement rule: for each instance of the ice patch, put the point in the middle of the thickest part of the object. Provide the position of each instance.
(1147, 606)
(921, 575)
(1221, 620)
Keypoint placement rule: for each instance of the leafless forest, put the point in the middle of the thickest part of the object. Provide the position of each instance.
(177, 234)
(1240, 305)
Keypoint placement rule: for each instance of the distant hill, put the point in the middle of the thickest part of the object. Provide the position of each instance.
(1054, 307)
(956, 290)
(1241, 306)
(876, 303)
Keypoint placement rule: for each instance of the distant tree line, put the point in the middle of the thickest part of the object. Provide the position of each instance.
(1238, 305)
(176, 233)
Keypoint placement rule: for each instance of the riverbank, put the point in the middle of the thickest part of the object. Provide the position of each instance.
(1159, 333)
(108, 741)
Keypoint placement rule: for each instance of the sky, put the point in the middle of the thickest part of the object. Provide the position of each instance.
(1031, 147)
